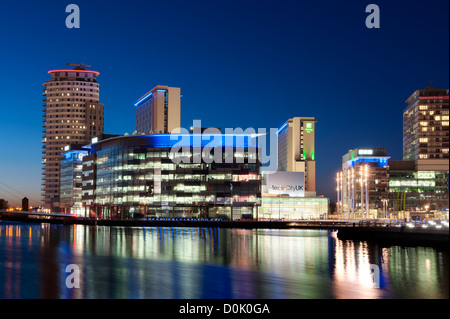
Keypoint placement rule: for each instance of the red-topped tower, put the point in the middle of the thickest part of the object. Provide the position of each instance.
(72, 114)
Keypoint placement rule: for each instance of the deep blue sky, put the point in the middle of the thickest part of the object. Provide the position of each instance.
(238, 63)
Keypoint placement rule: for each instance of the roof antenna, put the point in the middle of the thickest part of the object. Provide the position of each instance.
(78, 66)
(431, 83)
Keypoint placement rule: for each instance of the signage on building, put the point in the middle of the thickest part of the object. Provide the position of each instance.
(365, 152)
(286, 183)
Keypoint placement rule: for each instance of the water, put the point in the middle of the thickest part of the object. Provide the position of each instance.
(198, 263)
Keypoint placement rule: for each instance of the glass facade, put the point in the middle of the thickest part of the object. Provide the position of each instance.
(70, 182)
(284, 207)
(413, 190)
(143, 177)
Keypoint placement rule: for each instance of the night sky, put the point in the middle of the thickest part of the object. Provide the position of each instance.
(238, 64)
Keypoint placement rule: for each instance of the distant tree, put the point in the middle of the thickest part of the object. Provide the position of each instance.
(3, 204)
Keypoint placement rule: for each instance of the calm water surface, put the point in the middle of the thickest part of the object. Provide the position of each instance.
(194, 263)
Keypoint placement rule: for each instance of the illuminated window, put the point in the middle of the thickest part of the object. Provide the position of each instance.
(423, 123)
(423, 140)
(423, 156)
(445, 150)
(437, 118)
(445, 123)
(445, 118)
(423, 107)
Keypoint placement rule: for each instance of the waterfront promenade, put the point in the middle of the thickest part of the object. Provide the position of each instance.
(404, 231)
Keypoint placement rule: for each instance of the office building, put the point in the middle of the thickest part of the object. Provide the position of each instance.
(158, 111)
(70, 179)
(290, 208)
(290, 192)
(420, 181)
(145, 176)
(411, 189)
(363, 183)
(72, 114)
(296, 149)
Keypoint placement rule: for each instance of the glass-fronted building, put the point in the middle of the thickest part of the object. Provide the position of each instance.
(70, 182)
(172, 175)
(416, 190)
(287, 207)
(363, 183)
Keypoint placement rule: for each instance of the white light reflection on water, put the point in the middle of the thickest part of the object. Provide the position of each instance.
(194, 263)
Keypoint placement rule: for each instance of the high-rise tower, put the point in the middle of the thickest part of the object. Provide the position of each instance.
(158, 111)
(426, 125)
(72, 114)
(296, 149)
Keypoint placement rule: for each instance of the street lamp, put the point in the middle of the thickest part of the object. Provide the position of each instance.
(385, 206)
(361, 181)
(366, 176)
(353, 193)
(339, 190)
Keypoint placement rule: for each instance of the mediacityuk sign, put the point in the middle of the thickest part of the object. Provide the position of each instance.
(287, 183)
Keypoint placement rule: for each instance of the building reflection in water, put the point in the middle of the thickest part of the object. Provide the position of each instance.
(195, 263)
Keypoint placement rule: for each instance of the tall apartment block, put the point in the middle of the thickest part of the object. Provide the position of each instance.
(426, 127)
(421, 179)
(158, 111)
(296, 149)
(72, 114)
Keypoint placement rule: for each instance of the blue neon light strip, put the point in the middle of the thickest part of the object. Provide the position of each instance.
(143, 99)
(282, 128)
(382, 161)
(184, 140)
